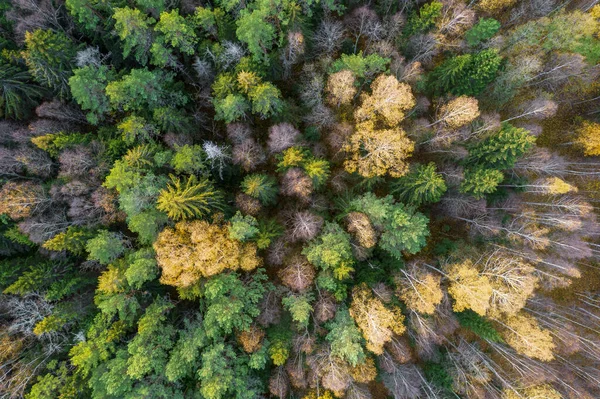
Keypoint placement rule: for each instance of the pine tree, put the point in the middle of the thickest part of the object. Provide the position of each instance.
(189, 198)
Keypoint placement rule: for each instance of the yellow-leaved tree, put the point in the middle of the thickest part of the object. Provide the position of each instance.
(388, 101)
(588, 138)
(458, 112)
(197, 249)
(340, 88)
(377, 152)
(469, 288)
(544, 391)
(377, 322)
(523, 333)
(420, 290)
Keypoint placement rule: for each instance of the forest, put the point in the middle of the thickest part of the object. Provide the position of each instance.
(299, 199)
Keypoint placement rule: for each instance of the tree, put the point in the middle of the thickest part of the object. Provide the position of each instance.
(231, 108)
(388, 101)
(142, 89)
(281, 137)
(588, 138)
(266, 100)
(105, 247)
(87, 88)
(422, 185)
(300, 307)
(190, 159)
(262, 187)
(133, 28)
(467, 74)
(377, 152)
(345, 339)
(469, 288)
(148, 350)
(243, 228)
(341, 88)
(232, 304)
(501, 150)
(494, 6)
(331, 251)
(361, 228)
(49, 56)
(190, 198)
(298, 274)
(20, 200)
(177, 32)
(17, 94)
(135, 129)
(458, 112)
(255, 32)
(197, 249)
(524, 334)
(420, 290)
(480, 181)
(424, 19)
(376, 322)
(539, 391)
(364, 67)
(402, 229)
(484, 30)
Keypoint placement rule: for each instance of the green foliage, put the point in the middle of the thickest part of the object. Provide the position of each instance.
(268, 230)
(142, 267)
(424, 19)
(261, 186)
(177, 32)
(185, 356)
(279, 352)
(189, 159)
(483, 30)
(17, 94)
(345, 338)
(403, 228)
(189, 198)
(105, 247)
(147, 224)
(423, 185)
(361, 66)
(300, 307)
(231, 108)
(479, 326)
(35, 279)
(225, 374)
(331, 250)
(87, 88)
(142, 90)
(232, 304)
(437, 374)
(467, 74)
(59, 382)
(53, 144)
(480, 181)
(266, 100)
(135, 129)
(149, 348)
(243, 228)
(74, 240)
(49, 56)
(255, 32)
(14, 235)
(318, 171)
(133, 28)
(501, 150)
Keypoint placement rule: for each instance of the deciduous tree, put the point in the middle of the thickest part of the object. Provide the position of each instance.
(197, 249)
